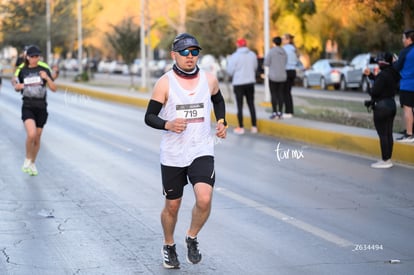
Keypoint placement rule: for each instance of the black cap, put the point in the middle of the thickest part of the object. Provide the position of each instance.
(184, 41)
(384, 58)
(407, 32)
(33, 50)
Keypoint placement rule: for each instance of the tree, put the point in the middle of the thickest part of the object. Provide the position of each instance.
(354, 25)
(215, 29)
(125, 40)
(25, 24)
(398, 14)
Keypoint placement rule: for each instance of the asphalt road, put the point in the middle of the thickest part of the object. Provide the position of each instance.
(279, 207)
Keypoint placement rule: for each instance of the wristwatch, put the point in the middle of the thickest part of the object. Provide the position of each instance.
(221, 120)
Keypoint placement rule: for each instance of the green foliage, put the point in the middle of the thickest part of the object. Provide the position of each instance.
(81, 77)
(306, 8)
(212, 29)
(23, 24)
(397, 14)
(301, 7)
(356, 25)
(340, 111)
(168, 33)
(125, 40)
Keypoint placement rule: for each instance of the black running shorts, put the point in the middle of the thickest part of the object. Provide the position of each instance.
(39, 115)
(407, 98)
(175, 178)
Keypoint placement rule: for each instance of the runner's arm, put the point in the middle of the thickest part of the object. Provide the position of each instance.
(155, 104)
(219, 105)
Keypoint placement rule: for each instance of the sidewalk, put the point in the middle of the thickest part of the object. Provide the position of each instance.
(344, 138)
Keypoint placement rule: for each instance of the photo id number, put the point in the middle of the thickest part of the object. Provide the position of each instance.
(368, 247)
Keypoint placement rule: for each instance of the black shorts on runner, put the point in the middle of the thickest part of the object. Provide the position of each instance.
(407, 98)
(39, 115)
(175, 178)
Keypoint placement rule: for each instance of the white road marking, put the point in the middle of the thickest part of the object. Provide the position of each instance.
(323, 234)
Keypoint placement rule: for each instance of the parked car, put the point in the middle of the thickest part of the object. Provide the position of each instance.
(210, 64)
(324, 73)
(168, 65)
(119, 67)
(353, 74)
(70, 64)
(105, 66)
(260, 72)
(156, 67)
(136, 67)
(300, 73)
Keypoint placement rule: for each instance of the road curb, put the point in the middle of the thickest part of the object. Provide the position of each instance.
(139, 102)
(358, 144)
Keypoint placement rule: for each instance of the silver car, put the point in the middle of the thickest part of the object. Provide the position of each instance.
(324, 73)
(353, 74)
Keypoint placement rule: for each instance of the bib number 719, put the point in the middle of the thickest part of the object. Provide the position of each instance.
(191, 112)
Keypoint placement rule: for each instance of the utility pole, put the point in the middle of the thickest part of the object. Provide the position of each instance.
(80, 39)
(143, 49)
(48, 39)
(266, 48)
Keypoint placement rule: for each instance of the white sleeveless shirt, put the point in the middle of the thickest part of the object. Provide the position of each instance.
(195, 105)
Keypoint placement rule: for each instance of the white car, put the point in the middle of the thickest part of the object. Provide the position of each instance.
(119, 67)
(136, 67)
(105, 66)
(70, 64)
(209, 63)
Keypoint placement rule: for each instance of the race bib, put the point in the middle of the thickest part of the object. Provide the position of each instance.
(191, 112)
(32, 80)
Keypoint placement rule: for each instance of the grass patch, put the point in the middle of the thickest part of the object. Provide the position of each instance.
(343, 112)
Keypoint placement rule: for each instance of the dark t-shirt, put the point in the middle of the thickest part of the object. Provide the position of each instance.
(34, 85)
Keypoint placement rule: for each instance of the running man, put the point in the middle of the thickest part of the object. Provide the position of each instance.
(181, 104)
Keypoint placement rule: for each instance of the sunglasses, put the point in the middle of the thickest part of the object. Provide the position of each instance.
(34, 56)
(187, 52)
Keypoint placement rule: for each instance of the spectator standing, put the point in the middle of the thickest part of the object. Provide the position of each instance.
(292, 61)
(383, 103)
(20, 59)
(405, 65)
(276, 60)
(181, 103)
(32, 81)
(1, 74)
(242, 66)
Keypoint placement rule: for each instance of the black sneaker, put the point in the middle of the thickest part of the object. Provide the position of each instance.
(170, 257)
(406, 138)
(403, 132)
(279, 115)
(193, 254)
